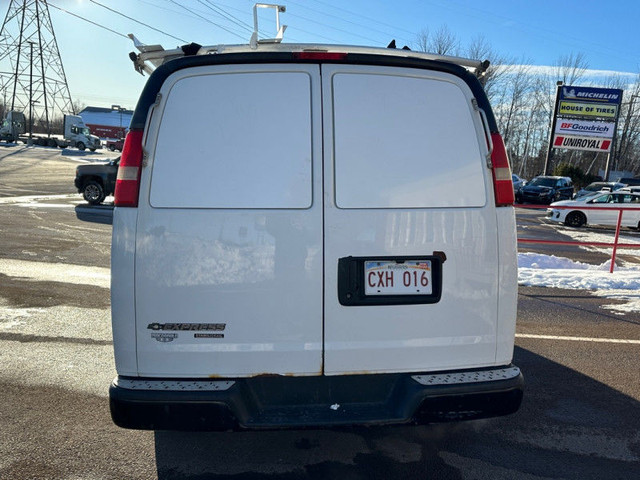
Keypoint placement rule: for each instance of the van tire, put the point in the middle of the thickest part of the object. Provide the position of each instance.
(575, 219)
(92, 149)
(93, 192)
(80, 146)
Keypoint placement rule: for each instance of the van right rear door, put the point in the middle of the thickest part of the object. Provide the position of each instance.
(406, 179)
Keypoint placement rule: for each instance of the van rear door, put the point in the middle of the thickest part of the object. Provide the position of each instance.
(228, 262)
(406, 186)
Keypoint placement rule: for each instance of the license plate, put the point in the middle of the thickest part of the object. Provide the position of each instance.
(411, 277)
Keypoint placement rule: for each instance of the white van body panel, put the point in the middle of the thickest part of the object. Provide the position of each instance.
(123, 313)
(254, 270)
(507, 284)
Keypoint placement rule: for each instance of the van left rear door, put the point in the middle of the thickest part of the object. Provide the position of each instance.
(229, 236)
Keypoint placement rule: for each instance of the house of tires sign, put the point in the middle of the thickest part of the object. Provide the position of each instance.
(586, 118)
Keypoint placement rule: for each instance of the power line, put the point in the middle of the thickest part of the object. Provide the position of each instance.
(137, 21)
(220, 11)
(363, 17)
(205, 19)
(333, 28)
(388, 34)
(87, 20)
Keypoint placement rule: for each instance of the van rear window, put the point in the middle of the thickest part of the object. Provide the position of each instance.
(235, 140)
(405, 142)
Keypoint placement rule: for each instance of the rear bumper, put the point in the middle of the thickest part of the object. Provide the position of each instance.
(298, 402)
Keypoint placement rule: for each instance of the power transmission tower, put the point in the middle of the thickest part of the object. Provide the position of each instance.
(32, 78)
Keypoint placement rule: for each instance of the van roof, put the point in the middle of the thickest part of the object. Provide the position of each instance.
(152, 56)
(196, 56)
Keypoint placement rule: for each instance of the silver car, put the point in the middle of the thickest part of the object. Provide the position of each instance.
(595, 187)
(518, 182)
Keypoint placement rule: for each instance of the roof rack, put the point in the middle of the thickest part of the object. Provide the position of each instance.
(152, 56)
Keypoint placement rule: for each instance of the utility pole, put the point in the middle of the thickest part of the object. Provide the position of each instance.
(547, 161)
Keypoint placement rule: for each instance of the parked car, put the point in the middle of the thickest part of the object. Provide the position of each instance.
(635, 189)
(596, 187)
(545, 189)
(114, 145)
(577, 216)
(262, 280)
(95, 181)
(518, 182)
(630, 181)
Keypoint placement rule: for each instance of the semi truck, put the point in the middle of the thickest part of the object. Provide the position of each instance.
(13, 125)
(75, 133)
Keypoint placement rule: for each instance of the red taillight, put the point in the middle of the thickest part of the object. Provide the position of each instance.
(128, 180)
(319, 55)
(502, 182)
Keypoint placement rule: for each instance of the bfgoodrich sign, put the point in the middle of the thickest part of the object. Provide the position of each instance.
(585, 128)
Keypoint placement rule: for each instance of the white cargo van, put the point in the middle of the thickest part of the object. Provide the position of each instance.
(310, 235)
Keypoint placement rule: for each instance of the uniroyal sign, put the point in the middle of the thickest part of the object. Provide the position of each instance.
(586, 128)
(582, 143)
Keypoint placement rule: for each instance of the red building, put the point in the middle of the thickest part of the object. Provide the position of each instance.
(107, 123)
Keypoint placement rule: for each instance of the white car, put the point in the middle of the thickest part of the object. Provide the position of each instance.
(578, 215)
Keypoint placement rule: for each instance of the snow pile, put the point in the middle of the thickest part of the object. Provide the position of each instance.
(538, 270)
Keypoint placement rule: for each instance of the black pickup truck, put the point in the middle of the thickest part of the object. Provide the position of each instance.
(97, 180)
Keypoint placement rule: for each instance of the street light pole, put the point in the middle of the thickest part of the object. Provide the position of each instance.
(31, 93)
(120, 110)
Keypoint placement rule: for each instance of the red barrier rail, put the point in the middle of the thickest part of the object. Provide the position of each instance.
(615, 243)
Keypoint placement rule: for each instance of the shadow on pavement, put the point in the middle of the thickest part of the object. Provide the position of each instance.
(569, 426)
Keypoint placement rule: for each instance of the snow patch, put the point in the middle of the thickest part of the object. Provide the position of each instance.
(537, 270)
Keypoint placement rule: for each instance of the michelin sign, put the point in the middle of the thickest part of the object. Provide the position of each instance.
(586, 118)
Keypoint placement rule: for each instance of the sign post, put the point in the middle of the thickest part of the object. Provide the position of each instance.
(547, 160)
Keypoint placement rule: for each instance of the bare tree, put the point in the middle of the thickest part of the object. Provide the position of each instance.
(78, 106)
(499, 66)
(523, 101)
(421, 43)
(628, 144)
(443, 42)
(515, 99)
(571, 68)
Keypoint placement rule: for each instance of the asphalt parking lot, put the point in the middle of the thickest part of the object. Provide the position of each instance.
(580, 417)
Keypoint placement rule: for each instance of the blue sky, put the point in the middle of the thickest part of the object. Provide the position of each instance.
(100, 73)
